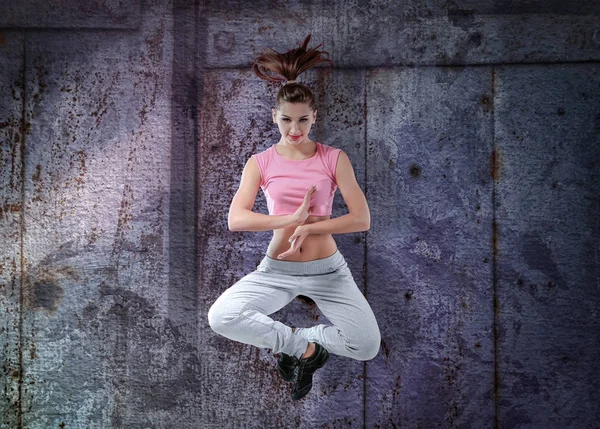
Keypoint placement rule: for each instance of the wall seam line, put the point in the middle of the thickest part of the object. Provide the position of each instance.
(366, 268)
(495, 303)
(22, 238)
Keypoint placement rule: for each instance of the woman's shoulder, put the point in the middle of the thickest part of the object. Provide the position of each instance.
(330, 153)
(328, 148)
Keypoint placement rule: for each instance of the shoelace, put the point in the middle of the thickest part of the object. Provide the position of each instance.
(299, 369)
(293, 360)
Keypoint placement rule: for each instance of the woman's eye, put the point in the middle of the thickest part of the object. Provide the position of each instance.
(302, 120)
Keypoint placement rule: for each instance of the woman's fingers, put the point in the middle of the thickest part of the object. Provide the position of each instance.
(291, 250)
(309, 193)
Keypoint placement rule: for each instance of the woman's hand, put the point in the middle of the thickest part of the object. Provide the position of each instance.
(304, 210)
(296, 239)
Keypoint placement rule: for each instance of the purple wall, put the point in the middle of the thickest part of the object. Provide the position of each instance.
(473, 129)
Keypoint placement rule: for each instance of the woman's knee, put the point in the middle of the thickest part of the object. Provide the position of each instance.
(370, 350)
(218, 318)
(367, 346)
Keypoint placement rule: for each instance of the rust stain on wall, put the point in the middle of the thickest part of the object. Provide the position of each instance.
(10, 152)
(9, 208)
(386, 349)
(38, 184)
(152, 59)
(125, 216)
(486, 103)
(80, 156)
(495, 162)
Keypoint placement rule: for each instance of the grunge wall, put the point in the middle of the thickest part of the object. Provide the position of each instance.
(474, 131)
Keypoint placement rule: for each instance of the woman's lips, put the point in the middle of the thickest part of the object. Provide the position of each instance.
(295, 137)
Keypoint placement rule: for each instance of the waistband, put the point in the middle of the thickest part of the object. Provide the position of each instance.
(318, 266)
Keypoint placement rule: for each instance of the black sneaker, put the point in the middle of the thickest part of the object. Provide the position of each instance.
(286, 365)
(304, 371)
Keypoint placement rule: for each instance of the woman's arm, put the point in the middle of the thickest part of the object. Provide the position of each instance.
(241, 217)
(359, 218)
(247, 220)
(339, 225)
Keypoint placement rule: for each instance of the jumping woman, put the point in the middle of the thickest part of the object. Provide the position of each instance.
(299, 178)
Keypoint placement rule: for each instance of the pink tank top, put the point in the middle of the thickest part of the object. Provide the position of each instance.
(284, 182)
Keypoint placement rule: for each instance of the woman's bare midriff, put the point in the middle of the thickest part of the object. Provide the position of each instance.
(314, 246)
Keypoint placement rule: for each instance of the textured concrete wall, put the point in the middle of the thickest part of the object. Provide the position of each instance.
(85, 198)
(474, 130)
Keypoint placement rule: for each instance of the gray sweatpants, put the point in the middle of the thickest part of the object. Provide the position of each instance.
(241, 312)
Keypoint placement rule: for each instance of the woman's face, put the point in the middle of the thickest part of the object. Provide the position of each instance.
(294, 119)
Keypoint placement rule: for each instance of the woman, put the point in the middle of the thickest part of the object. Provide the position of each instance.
(298, 177)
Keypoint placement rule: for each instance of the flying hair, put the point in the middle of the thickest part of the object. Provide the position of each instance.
(289, 65)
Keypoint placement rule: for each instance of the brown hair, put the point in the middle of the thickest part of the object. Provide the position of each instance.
(290, 65)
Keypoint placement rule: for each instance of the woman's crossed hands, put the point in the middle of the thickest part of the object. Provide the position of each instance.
(301, 215)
